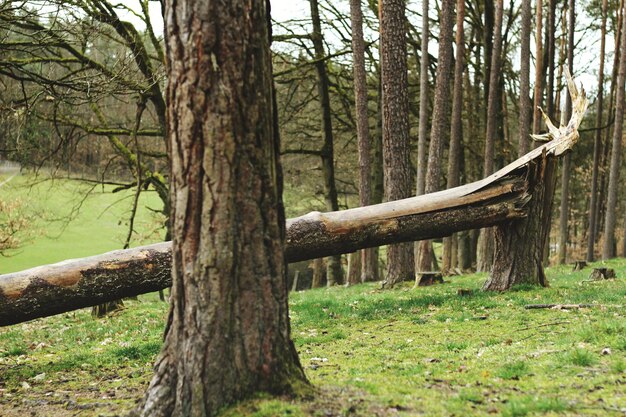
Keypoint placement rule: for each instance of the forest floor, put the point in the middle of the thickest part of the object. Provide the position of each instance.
(367, 352)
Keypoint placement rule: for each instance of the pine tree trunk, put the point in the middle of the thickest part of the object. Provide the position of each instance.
(368, 264)
(486, 240)
(439, 130)
(597, 145)
(609, 248)
(456, 134)
(395, 116)
(228, 330)
(333, 264)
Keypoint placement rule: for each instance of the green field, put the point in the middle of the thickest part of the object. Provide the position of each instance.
(73, 219)
(367, 352)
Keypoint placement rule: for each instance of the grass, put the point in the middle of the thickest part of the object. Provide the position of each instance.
(405, 352)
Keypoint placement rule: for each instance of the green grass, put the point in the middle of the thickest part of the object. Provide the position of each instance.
(73, 219)
(404, 352)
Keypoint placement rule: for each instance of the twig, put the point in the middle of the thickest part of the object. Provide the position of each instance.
(554, 323)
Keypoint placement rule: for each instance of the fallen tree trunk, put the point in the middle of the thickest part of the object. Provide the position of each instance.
(73, 284)
(505, 198)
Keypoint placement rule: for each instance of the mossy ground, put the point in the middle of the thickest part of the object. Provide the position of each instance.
(405, 352)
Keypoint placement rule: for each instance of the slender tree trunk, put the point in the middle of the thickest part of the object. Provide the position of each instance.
(565, 174)
(422, 140)
(441, 113)
(524, 98)
(609, 248)
(450, 244)
(538, 69)
(228, 330)
(551, 49)
(396, 150)
(486, 240)
(335, 272)
(368, 264)
(597, 144)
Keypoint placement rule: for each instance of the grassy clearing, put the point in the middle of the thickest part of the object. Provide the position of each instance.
(73, 219)
(406, 352)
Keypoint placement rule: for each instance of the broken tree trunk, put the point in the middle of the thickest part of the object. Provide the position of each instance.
(520, 243)
(514, 199)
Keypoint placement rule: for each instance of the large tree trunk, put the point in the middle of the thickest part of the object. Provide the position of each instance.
(396, 149)
(440, 122)
(450, 244)
(609, 248)
(333, 264)
(228, 331)
(367, 261)
(597, 144)
(486, 240)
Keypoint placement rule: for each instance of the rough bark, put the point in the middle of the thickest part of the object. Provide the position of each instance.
(367, 261)
(228, 331)
(524, 99)
(565, 173)
(440, 121)
(395, 116)
(597, 144)
(609, 247)
(486, 240)
(450, 244)
(333, 264)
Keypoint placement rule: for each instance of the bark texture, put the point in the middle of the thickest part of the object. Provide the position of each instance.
(609, 248)
(228, 331)
(368, 263)
(395, 113)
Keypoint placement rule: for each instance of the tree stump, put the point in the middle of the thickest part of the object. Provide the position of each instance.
(598, 274)
(579, 265)
(429, 278)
